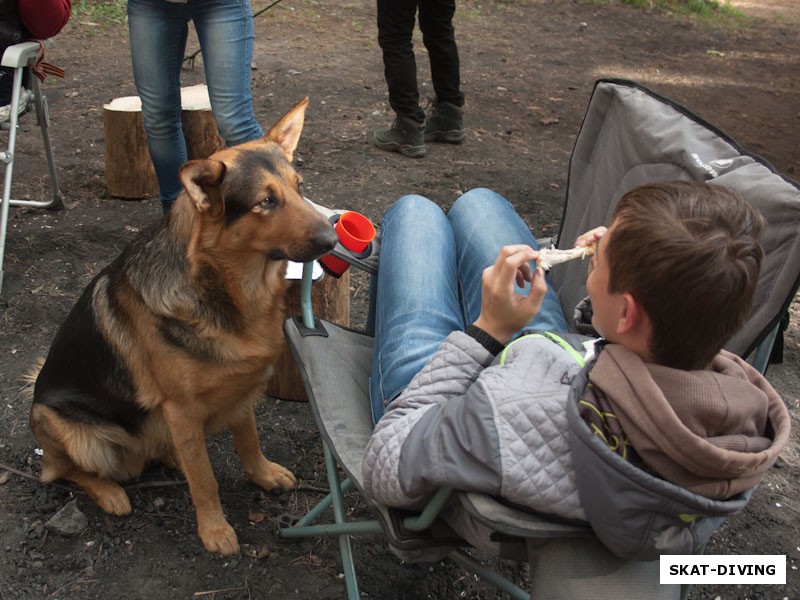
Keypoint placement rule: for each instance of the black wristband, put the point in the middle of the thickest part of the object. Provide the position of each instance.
(485, 340)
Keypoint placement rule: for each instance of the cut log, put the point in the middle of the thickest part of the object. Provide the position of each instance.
(128, 168)
(330, 300)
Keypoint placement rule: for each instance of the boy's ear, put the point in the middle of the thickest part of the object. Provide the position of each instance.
(634, 329)
(632, 318)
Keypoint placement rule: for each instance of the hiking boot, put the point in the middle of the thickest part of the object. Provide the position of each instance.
(406, 136)
(445, 124)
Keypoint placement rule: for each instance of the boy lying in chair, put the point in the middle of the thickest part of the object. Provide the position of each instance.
(652, 432)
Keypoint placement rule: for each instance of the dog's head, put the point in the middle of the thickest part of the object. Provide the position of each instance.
(248, 198)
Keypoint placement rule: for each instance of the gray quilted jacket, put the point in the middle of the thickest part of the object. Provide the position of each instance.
(472, 421)
(509, 426)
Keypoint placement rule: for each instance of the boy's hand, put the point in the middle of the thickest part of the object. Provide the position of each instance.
(590, 237)
(503, 312)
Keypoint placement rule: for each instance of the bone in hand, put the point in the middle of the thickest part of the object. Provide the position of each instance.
(550, 257)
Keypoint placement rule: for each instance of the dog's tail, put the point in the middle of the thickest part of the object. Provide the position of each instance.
(28, 379)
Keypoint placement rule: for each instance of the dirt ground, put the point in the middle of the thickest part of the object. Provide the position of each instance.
(528, 70)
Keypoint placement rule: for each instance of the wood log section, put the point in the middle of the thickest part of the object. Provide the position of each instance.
(128, 168)
(330, 300)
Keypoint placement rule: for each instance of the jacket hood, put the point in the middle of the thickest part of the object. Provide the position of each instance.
(713, 432)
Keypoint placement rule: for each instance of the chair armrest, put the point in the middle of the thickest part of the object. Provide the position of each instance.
(19, 55)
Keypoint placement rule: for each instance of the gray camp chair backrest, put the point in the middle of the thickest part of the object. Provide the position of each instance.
(631, 136)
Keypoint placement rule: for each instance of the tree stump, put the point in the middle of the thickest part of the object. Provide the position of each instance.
(128, 168)
(330, 300)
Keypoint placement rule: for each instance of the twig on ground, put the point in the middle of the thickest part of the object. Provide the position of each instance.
(141, 484)
(152, 484)
(219, 591)
(304, 487)
(25, 475)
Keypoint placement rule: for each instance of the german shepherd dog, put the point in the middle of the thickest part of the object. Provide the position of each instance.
(175, 338)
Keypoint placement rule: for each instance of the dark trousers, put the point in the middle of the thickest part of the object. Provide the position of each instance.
(395, 30)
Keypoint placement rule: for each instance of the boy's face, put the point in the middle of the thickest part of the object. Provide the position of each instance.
(605, 305)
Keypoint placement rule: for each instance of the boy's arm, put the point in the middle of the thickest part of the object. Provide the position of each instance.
(442, 427)
(446, 380)
(453, 429)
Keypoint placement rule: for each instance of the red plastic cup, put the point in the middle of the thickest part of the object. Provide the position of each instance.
(355, 232)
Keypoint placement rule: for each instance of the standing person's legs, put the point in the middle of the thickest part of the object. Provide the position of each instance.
(396, 19)
(158, 33)
(483, 222)
(445, 121)
(225, 31)
(438, 35)
(417, 295)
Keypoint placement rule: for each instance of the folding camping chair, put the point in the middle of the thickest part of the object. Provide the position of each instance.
(630, 136)
(21, 57)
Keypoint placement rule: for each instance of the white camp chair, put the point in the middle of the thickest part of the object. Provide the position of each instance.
(21, 57)
(630, 136)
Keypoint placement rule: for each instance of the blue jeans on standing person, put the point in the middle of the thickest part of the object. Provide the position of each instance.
(158, 32)
(429, 281)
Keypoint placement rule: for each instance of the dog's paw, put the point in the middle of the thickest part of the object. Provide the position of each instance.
(111, 498)
(272, 476)
(219, 538)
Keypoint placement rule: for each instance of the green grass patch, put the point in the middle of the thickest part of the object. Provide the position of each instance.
(100, 11)
(705, 9)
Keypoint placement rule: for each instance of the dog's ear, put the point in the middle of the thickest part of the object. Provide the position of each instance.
(286, 132)
(201, 178)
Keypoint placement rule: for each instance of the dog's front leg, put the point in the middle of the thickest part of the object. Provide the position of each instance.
(188, 436)
(268, 475)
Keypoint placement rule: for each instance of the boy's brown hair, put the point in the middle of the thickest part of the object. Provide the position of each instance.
(689, 253)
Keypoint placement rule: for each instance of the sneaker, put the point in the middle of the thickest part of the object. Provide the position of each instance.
(405, 136)
(445, 124)
(24, 98)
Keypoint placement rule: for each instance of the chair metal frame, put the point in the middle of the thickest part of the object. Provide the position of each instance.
(21, 57)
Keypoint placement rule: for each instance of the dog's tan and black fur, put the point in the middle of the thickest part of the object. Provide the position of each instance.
(175, 338)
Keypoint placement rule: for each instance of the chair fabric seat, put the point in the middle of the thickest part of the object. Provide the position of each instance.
(335, 370)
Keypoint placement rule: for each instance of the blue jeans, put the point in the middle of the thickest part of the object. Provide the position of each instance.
(429, 281)
(158, 31)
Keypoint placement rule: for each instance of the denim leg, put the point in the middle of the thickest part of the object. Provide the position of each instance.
(158, 33)
(396, 19)
(438, 35)
(483, 222)
(417, 295)
(225, 31)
